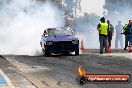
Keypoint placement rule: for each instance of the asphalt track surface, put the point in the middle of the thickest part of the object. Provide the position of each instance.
(59, 71)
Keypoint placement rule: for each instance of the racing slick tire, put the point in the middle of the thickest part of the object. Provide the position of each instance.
(45, 53)
(77, 52)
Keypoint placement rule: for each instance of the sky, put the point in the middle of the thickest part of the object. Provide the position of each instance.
(93, 6)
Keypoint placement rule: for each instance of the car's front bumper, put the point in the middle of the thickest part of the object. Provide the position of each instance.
(62, 48)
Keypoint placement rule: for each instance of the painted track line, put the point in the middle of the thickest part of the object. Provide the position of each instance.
(8, 82)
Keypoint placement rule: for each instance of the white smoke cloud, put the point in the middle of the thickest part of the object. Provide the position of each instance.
(93, 6)
(122, 12)
(92, 10)
(22, 24)
(118, 11)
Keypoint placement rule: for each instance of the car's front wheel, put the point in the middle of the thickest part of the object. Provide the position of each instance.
(77, 52)
(45, 53)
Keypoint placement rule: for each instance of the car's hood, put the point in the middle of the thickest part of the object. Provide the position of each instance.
(61, 38)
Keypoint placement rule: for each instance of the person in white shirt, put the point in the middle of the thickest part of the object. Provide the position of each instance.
(119, 37)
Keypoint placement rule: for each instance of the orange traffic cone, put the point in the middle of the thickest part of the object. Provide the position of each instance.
(82, 47)
(130, 48)
(109, 50)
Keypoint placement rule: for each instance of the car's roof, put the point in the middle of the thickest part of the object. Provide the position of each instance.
(57, 28)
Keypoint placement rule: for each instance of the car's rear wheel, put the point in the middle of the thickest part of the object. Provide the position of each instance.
(77, 52)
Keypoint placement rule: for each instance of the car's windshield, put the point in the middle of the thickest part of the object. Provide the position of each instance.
(60, 31)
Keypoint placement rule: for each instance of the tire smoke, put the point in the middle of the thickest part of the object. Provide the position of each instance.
(22, 24)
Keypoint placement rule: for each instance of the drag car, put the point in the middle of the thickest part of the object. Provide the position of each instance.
(59, 40)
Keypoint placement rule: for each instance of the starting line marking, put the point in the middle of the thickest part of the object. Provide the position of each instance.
(4, 81)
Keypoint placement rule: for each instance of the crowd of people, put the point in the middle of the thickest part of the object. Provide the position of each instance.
(106, 31)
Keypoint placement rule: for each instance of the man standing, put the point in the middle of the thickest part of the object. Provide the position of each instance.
(119, 37)
(127, 30)
(110, 34)
(103, 33)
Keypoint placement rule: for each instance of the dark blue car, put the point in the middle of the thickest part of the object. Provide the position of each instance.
(59, 40)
